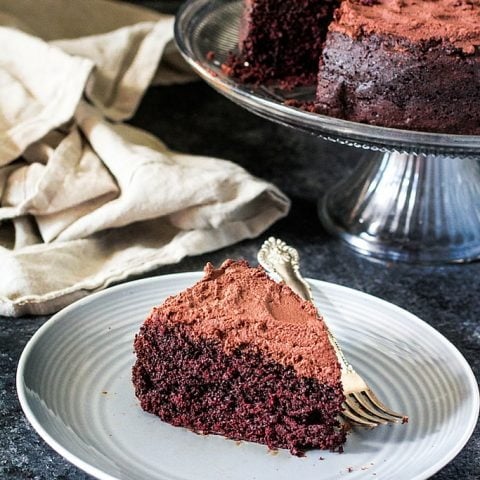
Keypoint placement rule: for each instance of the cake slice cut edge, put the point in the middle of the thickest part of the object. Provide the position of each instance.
(280, 41)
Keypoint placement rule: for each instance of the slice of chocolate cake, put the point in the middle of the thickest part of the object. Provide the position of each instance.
(404, 63)
(242, 356)
(281, 39)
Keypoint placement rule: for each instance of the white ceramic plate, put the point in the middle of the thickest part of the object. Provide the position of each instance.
(74, 385)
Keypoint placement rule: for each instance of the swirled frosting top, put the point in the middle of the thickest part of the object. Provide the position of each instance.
(241, 307)
(454, 22)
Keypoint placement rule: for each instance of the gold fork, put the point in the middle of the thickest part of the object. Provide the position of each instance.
(361, 406)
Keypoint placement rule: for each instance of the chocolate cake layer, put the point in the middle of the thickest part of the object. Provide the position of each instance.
(281, 40)
(382, 80)
(403, 63)
(241, 355)
(243, 395)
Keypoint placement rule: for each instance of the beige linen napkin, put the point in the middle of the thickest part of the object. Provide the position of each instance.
(85, 200)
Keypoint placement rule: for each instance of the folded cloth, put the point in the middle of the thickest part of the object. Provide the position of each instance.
(85, 200)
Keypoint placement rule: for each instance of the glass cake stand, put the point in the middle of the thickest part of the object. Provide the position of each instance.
(413, 197)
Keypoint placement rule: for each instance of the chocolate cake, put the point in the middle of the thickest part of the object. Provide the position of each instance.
(404, 64)
(240, 355)
(410, 64)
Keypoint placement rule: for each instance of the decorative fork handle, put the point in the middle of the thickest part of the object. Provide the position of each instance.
(277, 257)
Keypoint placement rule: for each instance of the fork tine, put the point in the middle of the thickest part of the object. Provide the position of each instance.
(351, 416)
(373, 398)
(363, 399)
(360, 411)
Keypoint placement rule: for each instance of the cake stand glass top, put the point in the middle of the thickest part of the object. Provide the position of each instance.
(414, 197)
(206, 26)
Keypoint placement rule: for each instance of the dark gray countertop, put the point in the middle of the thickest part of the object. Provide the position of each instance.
(195, 119)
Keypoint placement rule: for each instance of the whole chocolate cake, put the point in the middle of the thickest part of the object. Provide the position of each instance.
(242, 356)
(411, 64)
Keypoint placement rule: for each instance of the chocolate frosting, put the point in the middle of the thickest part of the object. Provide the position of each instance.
(456, 22)
(241, 306)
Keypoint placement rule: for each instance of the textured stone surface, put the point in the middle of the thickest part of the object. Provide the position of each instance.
(195, 119)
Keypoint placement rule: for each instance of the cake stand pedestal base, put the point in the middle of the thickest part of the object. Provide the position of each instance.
(407, 207)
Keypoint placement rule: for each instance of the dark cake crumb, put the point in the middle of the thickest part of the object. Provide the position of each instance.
(304, 105)
(255, 400)
(281, 41)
